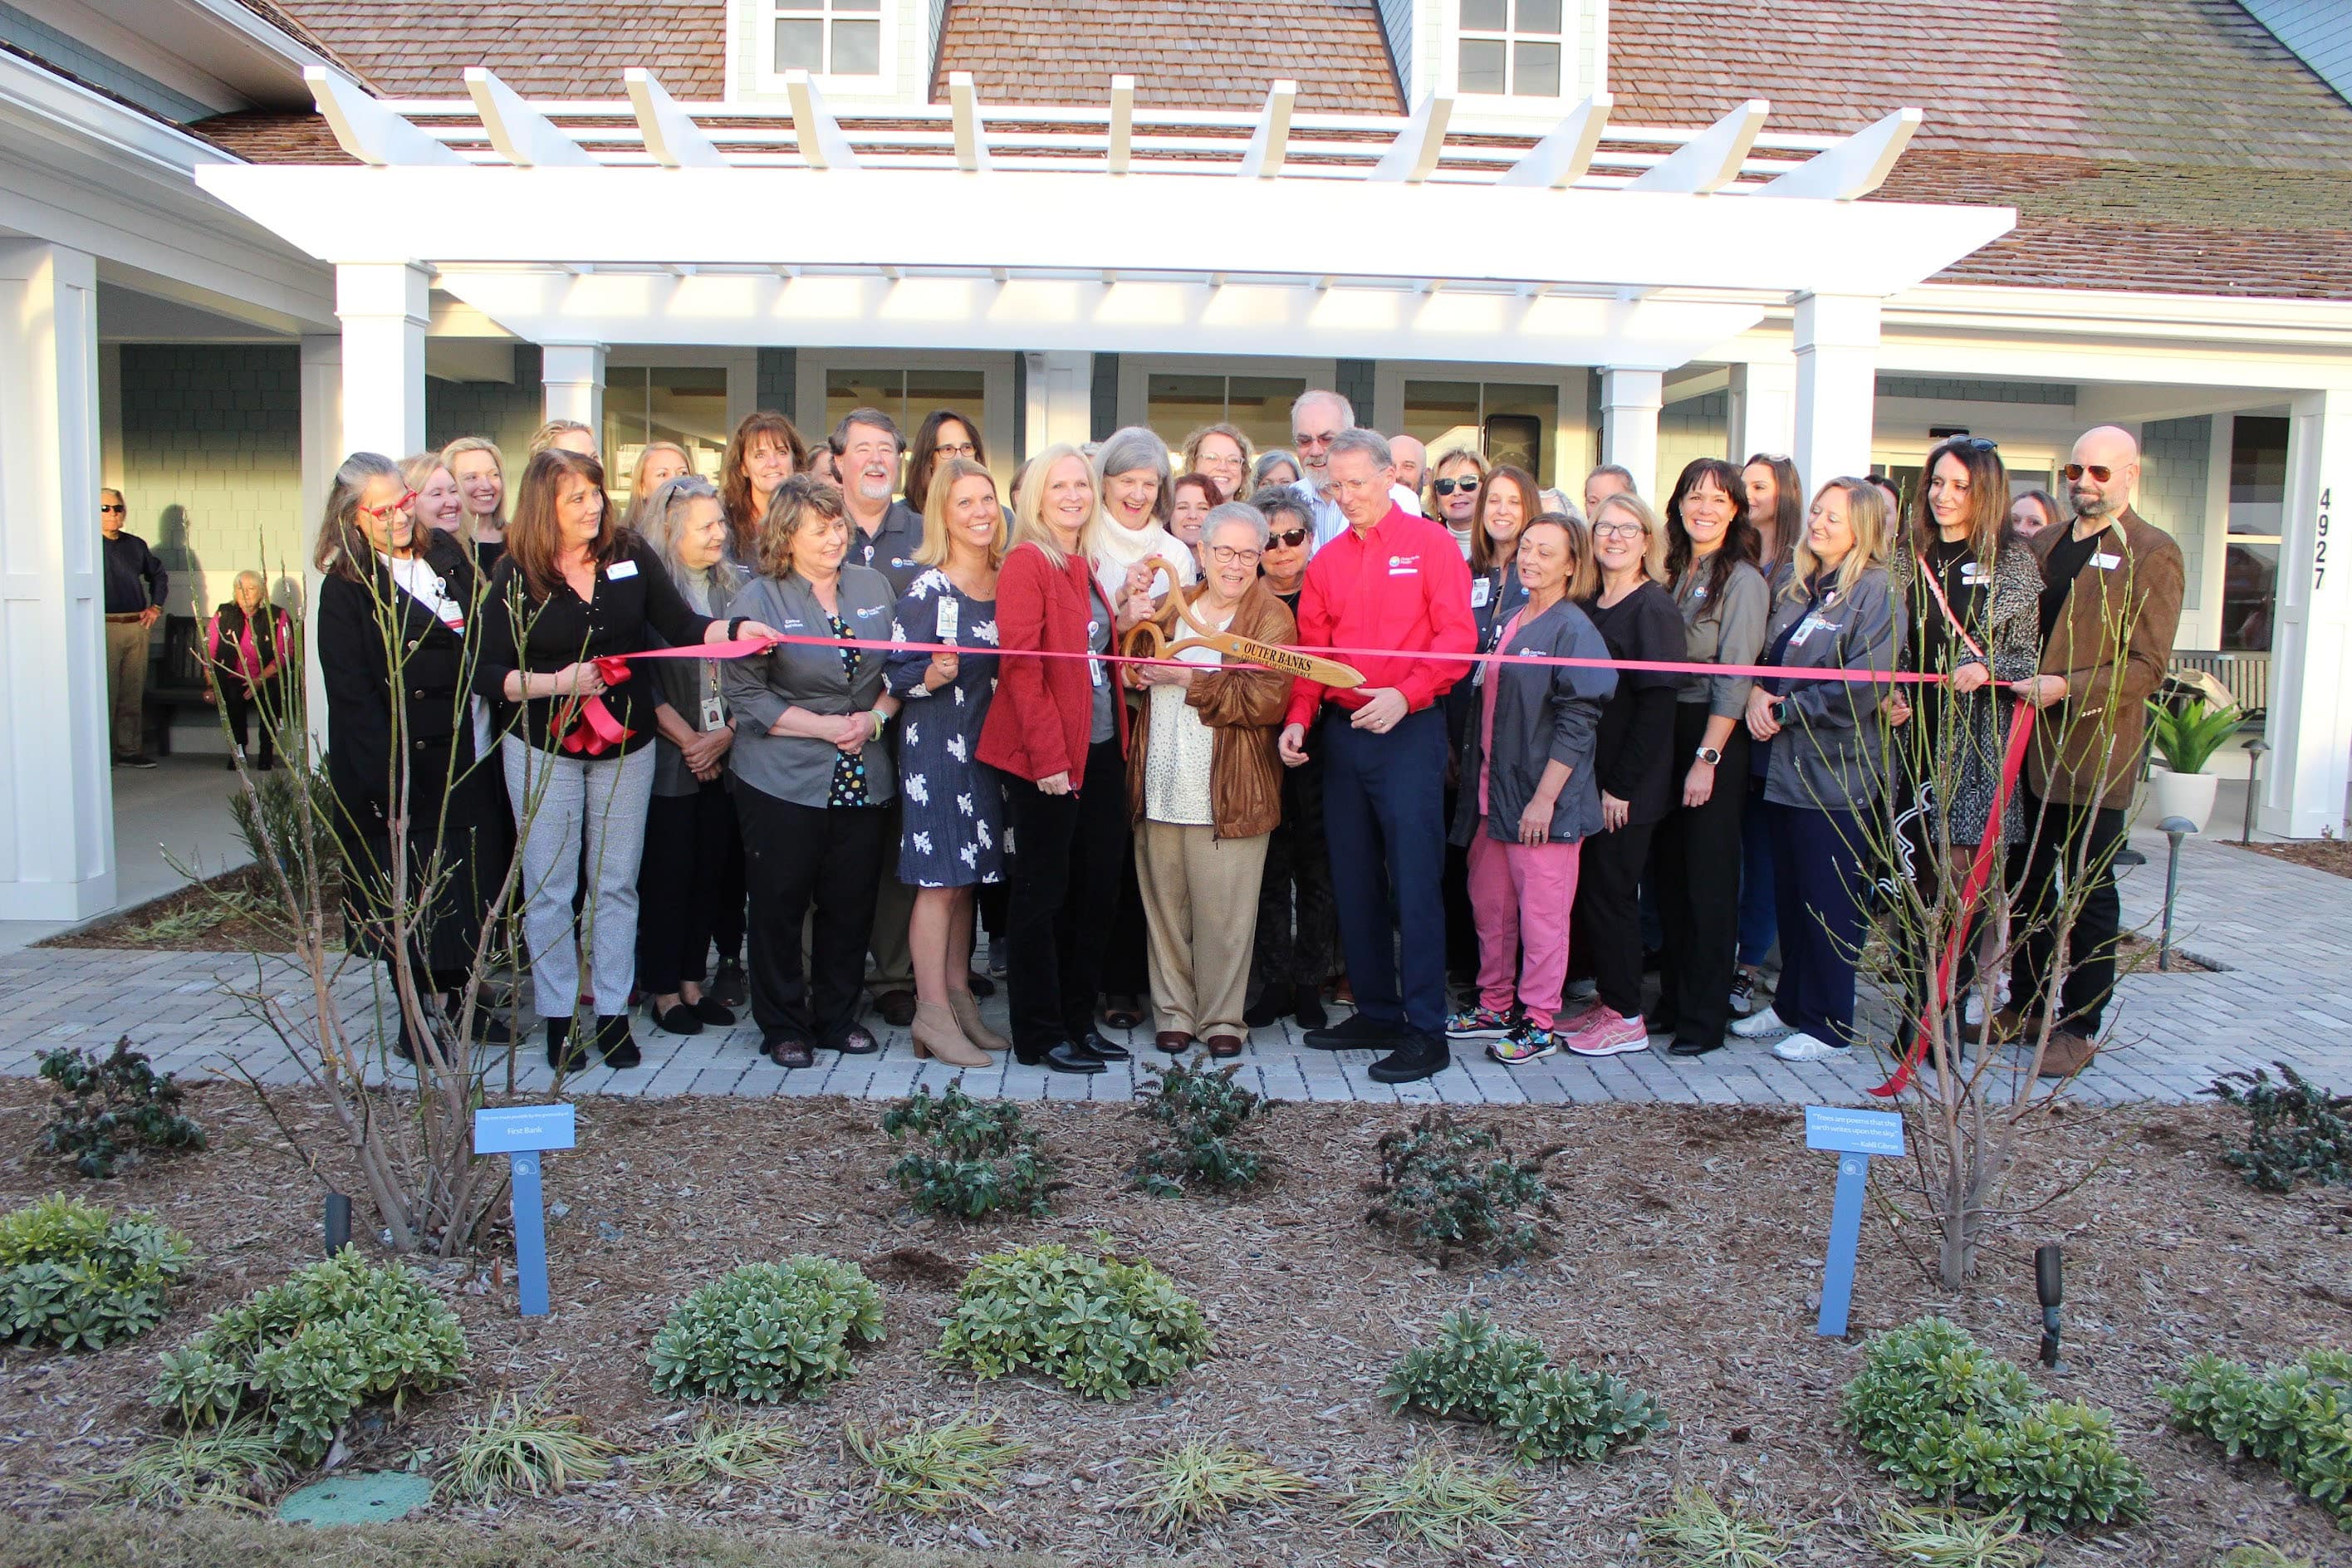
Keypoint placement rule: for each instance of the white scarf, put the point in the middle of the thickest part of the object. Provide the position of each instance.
(1113, 549)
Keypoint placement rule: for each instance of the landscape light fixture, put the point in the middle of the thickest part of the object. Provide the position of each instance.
(2254, 750)
(2175, 828)
(2050, 1285)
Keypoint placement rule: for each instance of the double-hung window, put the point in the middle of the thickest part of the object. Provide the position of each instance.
(827, 38)
(1510, 47)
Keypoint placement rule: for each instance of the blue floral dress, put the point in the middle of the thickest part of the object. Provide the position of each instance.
(953, 804)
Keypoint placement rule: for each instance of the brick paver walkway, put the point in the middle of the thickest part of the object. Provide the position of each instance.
(2281, 933)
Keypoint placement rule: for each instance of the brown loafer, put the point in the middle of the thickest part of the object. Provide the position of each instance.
(1224, 1045)
(2066, 1054)
(1122, 1012)
(791, 1052)
(1174, 1043)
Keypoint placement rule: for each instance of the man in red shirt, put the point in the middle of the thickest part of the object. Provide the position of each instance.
(1391, 581)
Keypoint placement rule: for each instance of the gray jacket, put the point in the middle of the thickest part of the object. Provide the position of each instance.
(798, 768)
(1731, 632)
(1543, 714)
(1830, 753)
(683, 684)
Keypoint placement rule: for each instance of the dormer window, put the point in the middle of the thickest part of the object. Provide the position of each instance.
(828, 37)
(1510, 47)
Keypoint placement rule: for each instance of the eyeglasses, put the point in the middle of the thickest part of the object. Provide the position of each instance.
(1289, 538)
(2098, 471)
(385, 513)
(1323, 440)
(1447, 486)
(1226, 555)
(110, 506)
(1617, 531)
(958, 449)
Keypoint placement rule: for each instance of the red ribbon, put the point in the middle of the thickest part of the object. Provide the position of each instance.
(595, 729)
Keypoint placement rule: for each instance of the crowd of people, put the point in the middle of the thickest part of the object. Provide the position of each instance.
(913, 726)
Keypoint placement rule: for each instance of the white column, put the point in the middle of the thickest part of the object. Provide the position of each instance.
(56, 796)
(1061, 398)
(1629, 401)
(2310, 729)
(1837, 386)
(323, 454)
(385, 307)
(573, 377)
(1763, 410)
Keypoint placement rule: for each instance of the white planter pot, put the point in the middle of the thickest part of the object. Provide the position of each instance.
(2179, 794)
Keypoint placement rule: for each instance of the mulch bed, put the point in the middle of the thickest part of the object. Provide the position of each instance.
(2332, 855)
(1687, 1247)
(189, 921)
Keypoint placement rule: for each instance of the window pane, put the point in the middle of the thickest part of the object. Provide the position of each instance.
(866, 5)
(1442, 415)
(1539, 71)
(1486, 15)
(1259, 407)
(1481, 65)
(800, 46)
(848, 389)
(2249, 577)
(1176, 406)
(857, 49)
(1518, 423)
(1538, 15)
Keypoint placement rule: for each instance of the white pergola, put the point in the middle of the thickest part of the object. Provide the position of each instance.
(1057, 232)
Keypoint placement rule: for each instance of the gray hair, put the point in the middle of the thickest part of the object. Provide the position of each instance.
(662, 520)
(1281, 500)
(1238, 511)
(1268, 458)
(1371, 443)
(1319, 394)
(1615, 471)
(1131, 449)
(341, 544)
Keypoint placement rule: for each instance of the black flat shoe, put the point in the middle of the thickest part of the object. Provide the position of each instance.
(728, 987)
(1272, 1003)
(564, 1053)
(678, 1020)
(1691, 1048)
(614, 1043)
(1357, 1033)
(858, 1042)
(982, 985)
(1063, 1057)
(715, 1014)
(1108, 1050)
(1417, 1057)
(1310, 1011)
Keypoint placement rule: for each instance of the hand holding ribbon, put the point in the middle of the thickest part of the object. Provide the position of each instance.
(591, 729)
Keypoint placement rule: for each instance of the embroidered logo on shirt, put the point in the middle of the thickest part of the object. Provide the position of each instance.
(869, 612)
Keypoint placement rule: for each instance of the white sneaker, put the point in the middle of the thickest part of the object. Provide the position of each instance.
(1759, 1025)
(1973, 1010)
(1805, 1048)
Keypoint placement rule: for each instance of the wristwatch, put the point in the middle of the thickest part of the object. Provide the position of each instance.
(1711, 755)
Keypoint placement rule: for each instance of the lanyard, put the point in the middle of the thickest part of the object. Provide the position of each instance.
(1927, 570)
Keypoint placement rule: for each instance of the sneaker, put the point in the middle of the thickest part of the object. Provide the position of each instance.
(1743, 993)
(140, 760)
(1581, 990)
(1416, 1057)
(1357, 1033)
(1604, 1032)
(1802, 1047)
(1761, 1024)
(1478, 1023)
(1525, 1043)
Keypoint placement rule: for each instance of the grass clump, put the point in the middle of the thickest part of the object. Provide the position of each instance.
(524, 1449)
(2298, 1417)
(1202, 1481)
(1200, 1108)
(1448, 1189)
(1949, 1420)
(933, 1468)
(1947, 1538)
(303, 1357)
(768, 1332)
(1438, 1502)
(1698, 1532)
(973, 1157)
(1094, 1324)
(74, 1275)
(233, 1466)
(1474, 1372)
(2260, 1554)
(723, 1448)
(2296, 1131)
(112, 1109)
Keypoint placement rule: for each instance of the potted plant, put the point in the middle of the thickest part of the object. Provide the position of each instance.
(2187, 737)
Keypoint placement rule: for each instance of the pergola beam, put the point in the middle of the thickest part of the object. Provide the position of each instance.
(1561, 159)
(822, 143)
(1413, 156)
(1271, 140)
(1710, 160)
(971, 142)
(1122, 122)
(523, 136)
(1855, 167)
(671, 135)
(366, 128)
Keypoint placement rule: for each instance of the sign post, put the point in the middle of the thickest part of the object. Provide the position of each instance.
(1854, 1136)
(522, 1132)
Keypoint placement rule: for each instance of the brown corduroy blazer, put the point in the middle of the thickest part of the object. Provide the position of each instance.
(2113, 644)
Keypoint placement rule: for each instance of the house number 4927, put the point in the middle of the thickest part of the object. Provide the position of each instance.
(2320, 551)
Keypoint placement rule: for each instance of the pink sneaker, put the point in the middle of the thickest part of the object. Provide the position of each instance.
(1602, 1032)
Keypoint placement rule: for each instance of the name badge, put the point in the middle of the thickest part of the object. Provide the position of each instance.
(620, 569)
(1095, 665)
(950, 615)
(1972, 571)
(1480, 592)
(2107, 562)
(714, 712)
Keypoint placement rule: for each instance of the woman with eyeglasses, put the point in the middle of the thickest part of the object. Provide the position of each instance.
(1274, 467)
(579, 759)
(1297, 945)
(1711, 550)
(1454, 482)
(1221, 454)
(480, 470)
(944, 437)
(1634, 765)
(765, 450)
(1204, 790)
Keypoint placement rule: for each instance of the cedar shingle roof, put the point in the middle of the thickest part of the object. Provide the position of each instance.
(1194, 54)
(420, 48)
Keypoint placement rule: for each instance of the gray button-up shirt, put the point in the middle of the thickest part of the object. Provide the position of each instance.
(1730, 632)
(798, 768)
(890, 549)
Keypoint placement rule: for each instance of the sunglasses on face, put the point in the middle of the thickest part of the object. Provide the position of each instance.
(109, 506)
(2098, 471)
(1447, 486)
(1289, 538)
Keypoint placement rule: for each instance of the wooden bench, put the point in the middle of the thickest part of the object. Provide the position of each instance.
(177, 679)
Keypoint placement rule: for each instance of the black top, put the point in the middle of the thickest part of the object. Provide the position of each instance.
(1632, 754)
(2059, 572)
(1968, 585)
(632, 591)
(890, 549)
(378, 648)
(488, 553)
(135, 579)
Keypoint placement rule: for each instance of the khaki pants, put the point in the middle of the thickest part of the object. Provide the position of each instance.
(126, 685)
(1200, 902)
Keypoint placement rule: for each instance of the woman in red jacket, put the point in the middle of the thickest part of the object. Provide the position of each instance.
(1057, 729)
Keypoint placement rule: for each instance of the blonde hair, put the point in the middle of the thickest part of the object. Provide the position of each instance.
(637, 496)
(1029, 524)
(800, 501)
(467, 521)
(1654, 536)
(1231, 432)
(934, 551)
(1872, 518)
(544, 436)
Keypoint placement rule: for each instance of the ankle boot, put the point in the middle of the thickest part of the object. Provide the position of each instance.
(966, 1008)
(936, 1036)
(564, 1053)
(1272, 1003)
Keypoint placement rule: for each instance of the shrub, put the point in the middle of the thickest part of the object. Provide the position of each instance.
(521, 1449)
(303, 1356)
(73, 1276)
(1094, 1324)
(1201, 1108)
(1476, 1371)
(111, 1108)
(980, 1158)
(2298, 1417)
(933, 1468)
(1443, 1187)
(1945, 1419)
(279, 823)
(1195, 1482)
(2297, 1129)
(768, 1332)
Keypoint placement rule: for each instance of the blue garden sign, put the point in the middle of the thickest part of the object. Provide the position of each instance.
(523, 1132)
(1854, 1136)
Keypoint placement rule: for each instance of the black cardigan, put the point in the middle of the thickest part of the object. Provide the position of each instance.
(1632, 757)
(359, 623)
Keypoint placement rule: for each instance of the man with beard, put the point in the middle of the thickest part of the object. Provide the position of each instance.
(1317, 419)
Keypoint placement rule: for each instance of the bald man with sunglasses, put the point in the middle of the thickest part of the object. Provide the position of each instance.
(135, 585)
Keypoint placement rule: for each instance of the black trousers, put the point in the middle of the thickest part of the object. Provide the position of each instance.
(2066, 840)
(1069, 853)
(1605, 925)
(237, 702)
(796, 858)
(1297, 930)
(691, 877)
(1697, 866)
